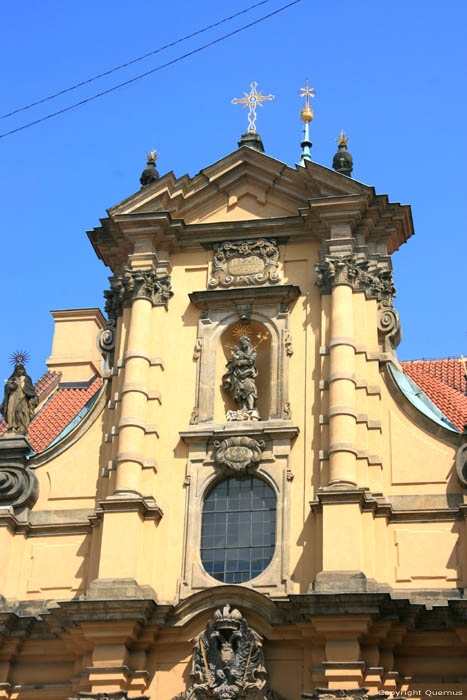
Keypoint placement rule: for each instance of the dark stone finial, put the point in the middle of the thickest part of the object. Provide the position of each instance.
(342, 161)
(150, 174)
(252, 140)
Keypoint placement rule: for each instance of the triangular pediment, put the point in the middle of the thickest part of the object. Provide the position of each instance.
(244, 185)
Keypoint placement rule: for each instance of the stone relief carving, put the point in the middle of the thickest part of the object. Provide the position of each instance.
(197, 349)
(19, 401)
(360, 274)
(244, 263)
(238, 455)
(343, 694)
(288, 343)
(118, 695)
(228, 661)
(461, 464)
(239, 381)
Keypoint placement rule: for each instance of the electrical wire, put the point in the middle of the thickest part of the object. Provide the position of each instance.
(149, 72)
(134, 60)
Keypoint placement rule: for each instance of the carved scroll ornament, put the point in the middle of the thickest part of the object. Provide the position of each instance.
(238, 454)
(389, 328)
(461, 464)
(245, 263)
(228, 661)
(19, 486)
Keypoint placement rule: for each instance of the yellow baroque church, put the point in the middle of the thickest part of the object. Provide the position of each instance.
(230, 488)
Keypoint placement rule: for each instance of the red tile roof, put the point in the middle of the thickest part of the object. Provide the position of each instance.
(444, 384)
(58, 410)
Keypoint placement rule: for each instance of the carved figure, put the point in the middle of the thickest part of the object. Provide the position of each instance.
(228, 661)
(19, 400)
(239, 380)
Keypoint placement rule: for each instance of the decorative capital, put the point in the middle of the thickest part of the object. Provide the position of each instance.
(136, 284)
(237, 455)
(245, 263)
(363, 275)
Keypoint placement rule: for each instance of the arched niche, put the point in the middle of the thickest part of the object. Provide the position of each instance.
(259, 309)
(261, 339)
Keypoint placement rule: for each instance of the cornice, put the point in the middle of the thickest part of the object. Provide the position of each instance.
(283, 294)
(116, 615)
(369, 215)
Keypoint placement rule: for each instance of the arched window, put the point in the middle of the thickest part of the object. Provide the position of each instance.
(238, 531)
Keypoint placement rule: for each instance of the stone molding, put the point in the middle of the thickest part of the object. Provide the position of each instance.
(146, 506)
(118, 695)
(244, 263)
(381, 507)
(343, 694)
(19, 486)
(237, 455)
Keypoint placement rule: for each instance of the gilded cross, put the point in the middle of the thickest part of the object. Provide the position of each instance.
(307, 92)
(252, 100)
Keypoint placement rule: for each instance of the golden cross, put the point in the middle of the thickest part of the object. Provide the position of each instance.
(307, 92)
(252, 100)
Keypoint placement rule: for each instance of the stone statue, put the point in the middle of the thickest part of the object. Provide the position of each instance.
(239, 381)
(19, 401)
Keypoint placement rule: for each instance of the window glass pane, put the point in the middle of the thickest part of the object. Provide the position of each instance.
(238, 529)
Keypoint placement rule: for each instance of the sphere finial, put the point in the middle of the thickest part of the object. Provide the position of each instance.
(150, 174)
(306, 115)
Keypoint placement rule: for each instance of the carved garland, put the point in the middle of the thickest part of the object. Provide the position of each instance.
(244, 263)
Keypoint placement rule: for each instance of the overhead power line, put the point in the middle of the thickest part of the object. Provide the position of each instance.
(134, 60)
(149, 72)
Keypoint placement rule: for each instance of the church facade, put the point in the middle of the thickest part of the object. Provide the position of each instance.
(238, 491)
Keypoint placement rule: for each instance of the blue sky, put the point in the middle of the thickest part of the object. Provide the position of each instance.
(391, 74)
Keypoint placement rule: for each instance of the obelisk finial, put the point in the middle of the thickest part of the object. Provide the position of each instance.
(306, 116)
(252, 100)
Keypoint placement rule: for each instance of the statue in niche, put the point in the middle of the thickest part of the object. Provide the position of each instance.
(239, 381)
(20, 398)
